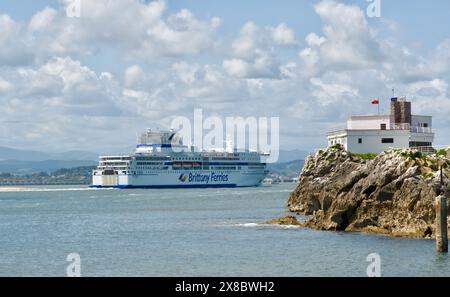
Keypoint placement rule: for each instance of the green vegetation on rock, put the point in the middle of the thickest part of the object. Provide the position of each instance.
(392, 193)
(369, 156)
(442, 153)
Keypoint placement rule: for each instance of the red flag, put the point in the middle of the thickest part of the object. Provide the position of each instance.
(376, 102)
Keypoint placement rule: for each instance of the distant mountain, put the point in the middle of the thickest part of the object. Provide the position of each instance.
(29, 161)
(75, 155)
(7, 153)
(288, 156)
(30, 155)
(29, 167)
(23, 155)
(287, 169)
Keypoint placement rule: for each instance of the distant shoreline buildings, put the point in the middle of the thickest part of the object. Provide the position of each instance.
(377, 133)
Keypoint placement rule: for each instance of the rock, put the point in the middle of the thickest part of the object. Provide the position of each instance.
(285, 221)
(391, 194)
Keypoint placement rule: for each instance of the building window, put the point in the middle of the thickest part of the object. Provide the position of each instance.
(387, 140)
(359, 140)
(383, 127)
(420, 144)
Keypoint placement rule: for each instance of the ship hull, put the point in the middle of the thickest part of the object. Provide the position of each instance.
(180, 180)
(168, 187)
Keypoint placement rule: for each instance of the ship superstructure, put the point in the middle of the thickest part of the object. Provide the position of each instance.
(161, 160)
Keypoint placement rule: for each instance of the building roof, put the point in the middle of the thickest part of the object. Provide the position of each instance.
(369, 117)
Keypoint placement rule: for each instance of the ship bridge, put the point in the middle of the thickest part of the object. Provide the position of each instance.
(159, 141)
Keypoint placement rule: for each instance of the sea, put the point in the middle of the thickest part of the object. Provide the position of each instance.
(192, 232)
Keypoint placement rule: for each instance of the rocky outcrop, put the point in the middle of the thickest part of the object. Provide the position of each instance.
(285, 221)
(392, 193)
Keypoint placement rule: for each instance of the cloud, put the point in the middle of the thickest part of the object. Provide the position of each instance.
(283, 35)
(42, 20)
(5, 86)
(263, 66)
(253, 51)
(186, 73)
(181, 34)
(331, 92)
(61, 104)
(439, 61)
(53, 94)
(348, 41)
(142, 30)
(314, 40)
(428, 92)
(14, 49)
(134, 75)
(62, 86)
(137, 29)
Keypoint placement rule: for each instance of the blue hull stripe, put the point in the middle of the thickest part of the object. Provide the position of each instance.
(167, 186)
(218, 163)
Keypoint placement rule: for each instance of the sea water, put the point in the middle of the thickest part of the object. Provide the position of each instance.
(207, 232)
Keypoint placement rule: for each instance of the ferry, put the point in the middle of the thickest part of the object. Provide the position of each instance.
(161, 160)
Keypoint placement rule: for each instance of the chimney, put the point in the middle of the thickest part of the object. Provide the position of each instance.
(400, 111)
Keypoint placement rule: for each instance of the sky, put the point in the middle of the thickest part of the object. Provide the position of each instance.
(92, 82)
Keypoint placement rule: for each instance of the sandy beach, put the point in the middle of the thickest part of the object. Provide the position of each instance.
(11, 189)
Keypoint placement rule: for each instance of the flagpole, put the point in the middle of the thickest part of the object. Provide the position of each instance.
(377, 102)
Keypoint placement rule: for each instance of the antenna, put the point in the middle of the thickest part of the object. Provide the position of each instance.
(393, 92)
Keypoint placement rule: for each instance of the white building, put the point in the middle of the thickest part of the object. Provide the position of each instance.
(377, 133)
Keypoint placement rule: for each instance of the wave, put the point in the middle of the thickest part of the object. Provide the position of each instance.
(262, 225)
(249, 225)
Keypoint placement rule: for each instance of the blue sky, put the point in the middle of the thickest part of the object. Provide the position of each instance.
(123, 67)
(427, 19)
(420, 24)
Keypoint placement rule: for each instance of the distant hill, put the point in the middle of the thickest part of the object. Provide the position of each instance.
(18, 161)
(28, 167)
(70, 176)
(7, 153)
(287, 169)
(288, 156)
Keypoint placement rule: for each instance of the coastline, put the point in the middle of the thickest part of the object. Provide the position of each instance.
(390, 194)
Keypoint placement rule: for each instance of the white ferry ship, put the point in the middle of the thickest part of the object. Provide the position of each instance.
(162, 161)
